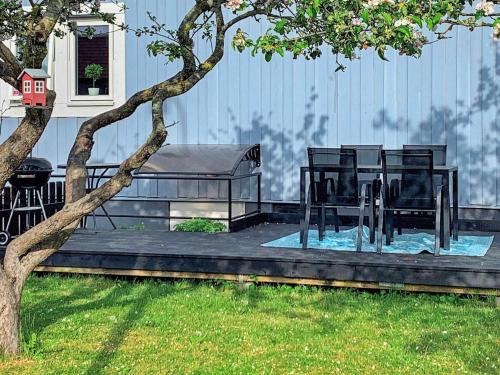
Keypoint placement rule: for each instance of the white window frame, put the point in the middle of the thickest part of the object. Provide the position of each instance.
(75, 99)
(39, 89)
(27, 87)
(62, 70)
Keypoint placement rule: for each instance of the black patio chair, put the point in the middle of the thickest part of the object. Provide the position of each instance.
(366, 154)
(408, 186)
(369, 155)
(439, 154)
(334, 184)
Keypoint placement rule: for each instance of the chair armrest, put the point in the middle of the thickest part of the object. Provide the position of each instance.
(330, 183)
(376, 186)
(440, 191)
(364, 190)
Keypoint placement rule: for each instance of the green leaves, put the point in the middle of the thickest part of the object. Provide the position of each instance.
(381, 54)
(365, 16)
(349, 27)
(417, 20)
(405, 30)
(200, 225)
(279, 27)
(313, 8)
(169, 49)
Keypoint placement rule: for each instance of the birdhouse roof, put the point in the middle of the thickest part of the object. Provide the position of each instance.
(34, 73)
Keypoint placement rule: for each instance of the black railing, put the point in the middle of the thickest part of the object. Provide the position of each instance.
(53, 200)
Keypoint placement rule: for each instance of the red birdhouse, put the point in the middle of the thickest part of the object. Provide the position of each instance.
(34, 87)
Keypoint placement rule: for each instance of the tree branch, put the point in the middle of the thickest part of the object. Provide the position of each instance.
(56, 227)
(10, 68)
(46, 25)
(22, 140)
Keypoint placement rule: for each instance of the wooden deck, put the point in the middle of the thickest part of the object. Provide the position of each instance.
(239, 256)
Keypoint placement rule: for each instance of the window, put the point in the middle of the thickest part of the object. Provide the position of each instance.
(94, 42)
(27, 87)
(92, 47)
(39, 87)
(66, 62)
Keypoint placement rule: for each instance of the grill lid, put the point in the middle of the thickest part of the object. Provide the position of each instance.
(213, 159)
(32, 173)
(35, 164)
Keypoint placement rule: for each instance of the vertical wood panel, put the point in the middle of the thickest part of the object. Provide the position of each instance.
(489, 108)
(391, 124)
(367, 98)
(463, 118)
(475, 130)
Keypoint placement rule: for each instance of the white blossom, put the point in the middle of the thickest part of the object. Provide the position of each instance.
(233, 4)
(402, 22)
(356, 22)
(487, 7)
(376, 3)
(373, 3)
(496, 33)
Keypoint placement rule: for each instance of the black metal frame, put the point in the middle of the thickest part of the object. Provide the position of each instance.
(322, 204)
(391, 190)
(233, 222)
(252, 152)
(443, 171)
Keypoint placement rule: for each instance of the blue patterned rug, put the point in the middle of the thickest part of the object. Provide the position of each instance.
(411, 243)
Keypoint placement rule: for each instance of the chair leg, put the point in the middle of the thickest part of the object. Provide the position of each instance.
(321, 222)
(388, 227)
(380, 225)
(336, 220)
(359, 240)
(307, 218)
(438, 233)
(445, 230)
(371, 216)
(400, 232)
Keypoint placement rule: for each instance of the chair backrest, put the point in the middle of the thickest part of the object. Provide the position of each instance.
(410, 171)
(366, 154)
(333, 167)
(439, 152)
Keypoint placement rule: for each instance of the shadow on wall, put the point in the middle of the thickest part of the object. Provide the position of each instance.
(472, 133)
(283, 147)
(470, 128)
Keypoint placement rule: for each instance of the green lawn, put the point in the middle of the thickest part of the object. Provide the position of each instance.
(89, 325)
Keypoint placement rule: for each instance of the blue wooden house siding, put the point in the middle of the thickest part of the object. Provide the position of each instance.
(450, 95)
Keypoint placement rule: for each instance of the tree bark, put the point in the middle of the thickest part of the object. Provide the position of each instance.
(10, 303)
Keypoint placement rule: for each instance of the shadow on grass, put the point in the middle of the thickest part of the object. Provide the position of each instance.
(118, 333)
(48, 310)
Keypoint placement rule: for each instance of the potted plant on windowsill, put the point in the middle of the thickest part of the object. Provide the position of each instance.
(93, 71)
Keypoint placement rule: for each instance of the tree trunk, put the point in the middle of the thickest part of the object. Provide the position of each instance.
(10, 303)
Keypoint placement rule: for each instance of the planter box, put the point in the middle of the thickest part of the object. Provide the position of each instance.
(210, 210)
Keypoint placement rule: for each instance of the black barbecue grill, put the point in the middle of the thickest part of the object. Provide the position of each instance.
(32, 174)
